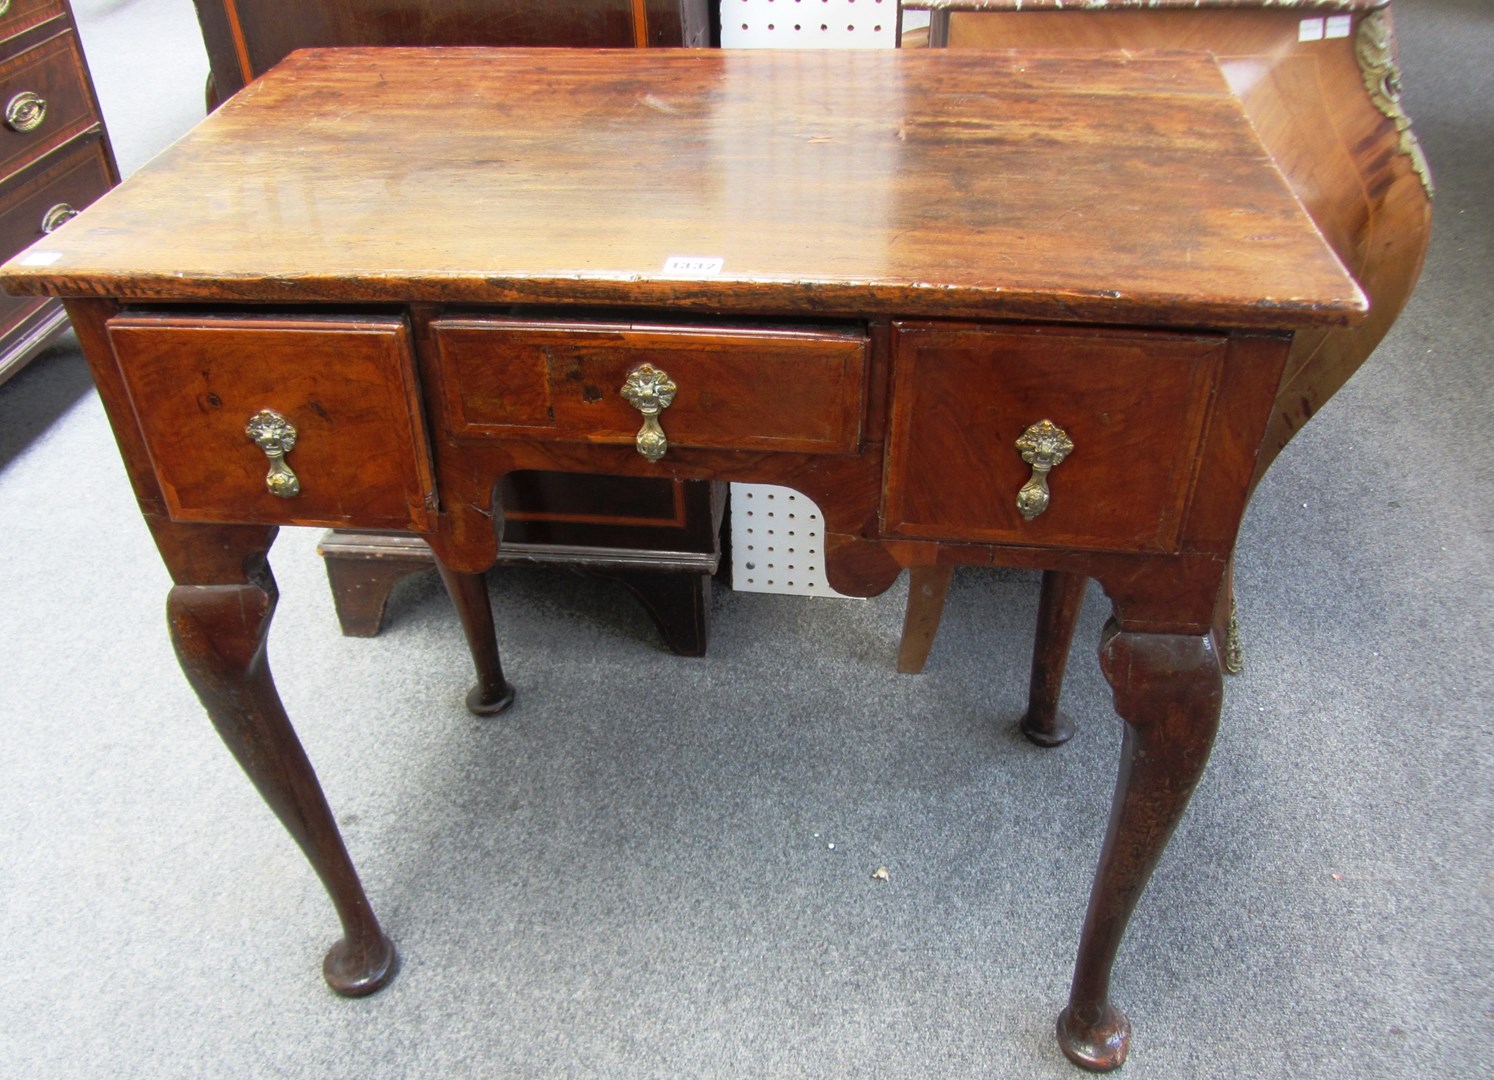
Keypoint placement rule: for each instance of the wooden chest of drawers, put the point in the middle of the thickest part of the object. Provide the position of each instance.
(55, 156)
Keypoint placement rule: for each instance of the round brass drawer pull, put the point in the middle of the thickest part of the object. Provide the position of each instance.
(650, 390)
(276, 436)
(25, 112)
(1042, 446)
(57, 217)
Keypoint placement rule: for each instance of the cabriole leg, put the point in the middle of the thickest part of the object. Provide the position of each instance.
(219, 632)
(1168, 690)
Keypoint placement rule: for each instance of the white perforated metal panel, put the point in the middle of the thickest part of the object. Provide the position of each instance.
(808, 24)
(777, 542)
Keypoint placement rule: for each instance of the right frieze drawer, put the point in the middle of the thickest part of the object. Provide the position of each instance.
(1111, 469)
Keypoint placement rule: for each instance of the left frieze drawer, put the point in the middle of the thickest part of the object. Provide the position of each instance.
(344, 385)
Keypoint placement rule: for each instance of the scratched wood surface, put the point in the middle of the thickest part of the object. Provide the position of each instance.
(1089, 187)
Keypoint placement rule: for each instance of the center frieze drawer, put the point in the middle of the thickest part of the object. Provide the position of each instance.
(297, 420)
(1072, 437)
(752, 388)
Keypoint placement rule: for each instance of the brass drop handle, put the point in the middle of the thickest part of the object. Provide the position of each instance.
(1042, 446)
(57, 216)
(650, 390)
(276, 436)
(25, 112)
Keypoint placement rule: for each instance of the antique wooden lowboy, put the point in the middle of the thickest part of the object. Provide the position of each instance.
(1025, 308)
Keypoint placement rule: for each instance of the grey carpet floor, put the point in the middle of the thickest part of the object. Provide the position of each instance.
(656, 867)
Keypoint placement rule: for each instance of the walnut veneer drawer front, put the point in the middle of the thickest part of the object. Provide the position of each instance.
(44, 100)
(735, 389)
(1125, 415)
(289, 421)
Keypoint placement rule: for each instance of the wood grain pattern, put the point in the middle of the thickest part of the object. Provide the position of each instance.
(1133, 404)
(346, 384)
(1025, 187)
(76, 178)
(749, 389)
(1307, 101)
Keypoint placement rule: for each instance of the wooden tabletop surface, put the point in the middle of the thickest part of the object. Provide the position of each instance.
(1118, 188)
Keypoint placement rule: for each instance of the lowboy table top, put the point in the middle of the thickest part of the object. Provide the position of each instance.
(914, 183)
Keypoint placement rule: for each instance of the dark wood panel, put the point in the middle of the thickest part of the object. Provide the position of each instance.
(636, 514)
(690, 23)
(245, 38)
(564, 497)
